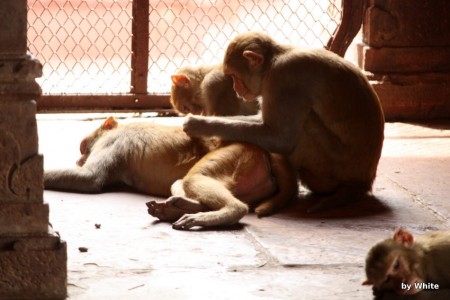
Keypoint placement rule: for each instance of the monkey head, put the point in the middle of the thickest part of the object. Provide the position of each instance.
(246, 59)
(394, 264)
(88, 142)
(183, 96)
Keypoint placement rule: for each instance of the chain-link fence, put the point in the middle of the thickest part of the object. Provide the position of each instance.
(196, 32)
(86, 45)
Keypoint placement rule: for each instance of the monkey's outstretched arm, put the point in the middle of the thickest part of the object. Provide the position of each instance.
(259, 133)
(274, 129)
(250, 119)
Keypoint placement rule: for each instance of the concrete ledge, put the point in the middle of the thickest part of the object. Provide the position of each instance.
(420, 101)
(403, 60)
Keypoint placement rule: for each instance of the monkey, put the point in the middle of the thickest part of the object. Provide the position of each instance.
(316, 108)
(206, 90)
(113, 154)
(208, 183)
(406, 265)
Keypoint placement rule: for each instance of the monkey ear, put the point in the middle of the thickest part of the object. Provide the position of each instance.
(181, 80)
(255, 59)
(403, 237)
(110, 123)
(83, 146)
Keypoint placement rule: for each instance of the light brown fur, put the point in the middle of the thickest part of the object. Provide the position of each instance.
(317, 109)
(206, 90)
(211, 184)
(401, 259)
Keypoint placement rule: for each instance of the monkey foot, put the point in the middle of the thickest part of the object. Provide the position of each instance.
(265, 209)
(174, 208)
(342, 197)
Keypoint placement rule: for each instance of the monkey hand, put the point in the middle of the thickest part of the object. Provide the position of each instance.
(195, 126)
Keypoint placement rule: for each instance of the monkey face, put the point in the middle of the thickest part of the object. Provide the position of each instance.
(245, 70)
(186, 103)
(390, 266)
(247, 86)
(241, 88)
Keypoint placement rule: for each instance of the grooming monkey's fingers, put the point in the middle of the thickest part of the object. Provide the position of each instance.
(192, 126)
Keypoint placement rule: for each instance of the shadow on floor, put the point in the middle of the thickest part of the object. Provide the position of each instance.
(368, 206)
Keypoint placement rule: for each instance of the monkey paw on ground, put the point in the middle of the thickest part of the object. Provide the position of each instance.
(173, 208)
(188, 221)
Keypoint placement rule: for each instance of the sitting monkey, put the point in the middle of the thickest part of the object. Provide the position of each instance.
(317, 108)
(210, 184)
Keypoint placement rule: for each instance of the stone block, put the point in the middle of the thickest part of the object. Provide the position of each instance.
(415, 99)
(20, 217)
(33, 260)
(33, 267)
(407, 23)
(13, 24)
(21, 168)
(404, 60)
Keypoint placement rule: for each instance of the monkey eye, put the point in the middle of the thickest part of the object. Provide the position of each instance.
(386, 279)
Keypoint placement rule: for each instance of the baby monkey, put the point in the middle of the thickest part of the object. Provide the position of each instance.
(406, 265)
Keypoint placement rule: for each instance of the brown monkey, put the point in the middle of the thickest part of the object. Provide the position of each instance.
(214, 183)
(206, 90)
(407, 266)
(317, 108)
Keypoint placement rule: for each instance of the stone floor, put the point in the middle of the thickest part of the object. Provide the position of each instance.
(290, 255)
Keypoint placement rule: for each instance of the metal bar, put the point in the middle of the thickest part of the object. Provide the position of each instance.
(352, 17)
(139, 47)
(125, 102)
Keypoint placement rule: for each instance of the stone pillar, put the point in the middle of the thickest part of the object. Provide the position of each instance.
(33, 259)
(406, 52)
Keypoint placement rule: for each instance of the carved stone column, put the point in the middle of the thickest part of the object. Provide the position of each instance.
(406, 51)
(33, 259)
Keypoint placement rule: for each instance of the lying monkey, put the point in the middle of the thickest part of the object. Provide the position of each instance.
(210, 184)
(206, 90)
(407, 266)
